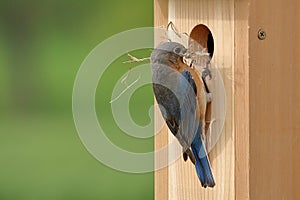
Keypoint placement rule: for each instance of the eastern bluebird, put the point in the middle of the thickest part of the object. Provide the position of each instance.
(182, 99)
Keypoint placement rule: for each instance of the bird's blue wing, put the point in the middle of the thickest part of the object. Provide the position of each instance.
(176, 95)
(189, 121)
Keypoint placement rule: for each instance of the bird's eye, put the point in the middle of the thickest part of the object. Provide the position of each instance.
(177, 50)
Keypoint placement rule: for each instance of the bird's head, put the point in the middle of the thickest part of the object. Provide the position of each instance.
(168, 52)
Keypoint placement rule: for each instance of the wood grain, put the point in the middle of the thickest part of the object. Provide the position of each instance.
(182, 180)
(274, 114)
(161, 137)
(241, 98)
(297, 105)
(257, 155)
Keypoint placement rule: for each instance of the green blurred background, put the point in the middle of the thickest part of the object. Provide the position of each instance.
(42, 44)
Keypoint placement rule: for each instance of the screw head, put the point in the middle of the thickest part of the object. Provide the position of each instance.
(261, 34)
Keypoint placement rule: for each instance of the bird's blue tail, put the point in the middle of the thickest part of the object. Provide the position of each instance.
(202, 163)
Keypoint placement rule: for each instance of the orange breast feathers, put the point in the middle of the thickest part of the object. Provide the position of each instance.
(201, 93)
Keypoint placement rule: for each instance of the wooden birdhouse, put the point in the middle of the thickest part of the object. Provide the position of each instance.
(256, 49)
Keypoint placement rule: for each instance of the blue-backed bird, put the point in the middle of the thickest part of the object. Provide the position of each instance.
(181, 95)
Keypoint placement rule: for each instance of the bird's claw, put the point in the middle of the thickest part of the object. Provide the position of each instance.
(206, 72)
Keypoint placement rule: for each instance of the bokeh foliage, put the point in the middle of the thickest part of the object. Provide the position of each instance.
(42, 44)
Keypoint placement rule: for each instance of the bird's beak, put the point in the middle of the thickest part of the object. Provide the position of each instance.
(187, 54)
(184, 53)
